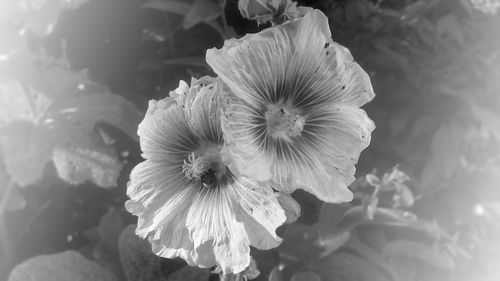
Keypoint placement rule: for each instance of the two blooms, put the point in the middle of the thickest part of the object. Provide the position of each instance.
(222, 155)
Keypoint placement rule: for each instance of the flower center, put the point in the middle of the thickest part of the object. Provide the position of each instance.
(283, 123)
(207, 167)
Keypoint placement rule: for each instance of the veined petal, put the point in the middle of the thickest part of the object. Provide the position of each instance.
(155, 131)
(203, 106)
(212, 217)
(261, 213)
(254, 67)
(156, 195)
(292, 116)
(173, 240)
(188, 200)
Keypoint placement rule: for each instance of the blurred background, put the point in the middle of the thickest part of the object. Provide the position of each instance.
(75, 79)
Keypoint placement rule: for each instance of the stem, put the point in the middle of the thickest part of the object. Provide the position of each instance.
(232, 277)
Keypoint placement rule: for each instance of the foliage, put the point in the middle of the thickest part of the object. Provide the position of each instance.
(75, 78)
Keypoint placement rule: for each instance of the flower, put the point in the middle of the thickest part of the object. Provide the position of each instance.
(189, 203)
(293, 116)
(264, 11)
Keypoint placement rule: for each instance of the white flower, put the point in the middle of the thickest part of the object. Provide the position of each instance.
(189, 203)
(293, 117)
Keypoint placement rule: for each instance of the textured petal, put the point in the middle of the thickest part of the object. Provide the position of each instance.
(312, 32)
(204, 103)
(261, 213)
(156, 195)
(298, 67)
(290, 206)
(294, 61)
(164, 133)
(173, 240)
(205, 223)
(254, 66)
(212, 217)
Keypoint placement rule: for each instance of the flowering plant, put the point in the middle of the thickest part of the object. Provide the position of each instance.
(242, 140)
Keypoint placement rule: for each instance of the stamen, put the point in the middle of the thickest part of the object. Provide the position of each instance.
(207, 168)
(282, 123)
(195, 167)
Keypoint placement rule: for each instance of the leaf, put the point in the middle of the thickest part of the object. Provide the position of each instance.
(305, 276)
(201, 11)
(445, 150)
(276, 274)
(180, 7)
(105, 237)
(155, 35)
(405, 268)
(429, 254)
(489, 119)
(79, 110)
(111, 225)
(17, 103)
(26, 149)
(69, 265)
(188, 273)
(191, 61)
(76, 165)
(345, 266)
(65, 132)
(39, 16)
(139, 263)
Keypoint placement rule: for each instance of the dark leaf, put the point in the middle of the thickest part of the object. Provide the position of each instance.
(69, 265)
(139, 263)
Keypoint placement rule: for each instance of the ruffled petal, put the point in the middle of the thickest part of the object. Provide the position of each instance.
(295, 61)
(254, 67)
(290, 206)
(298, 67)
(203, 105)
(205, 223)
(156, 195)
(164, 133)
(212, 217)
(261, 213)
(173, 240)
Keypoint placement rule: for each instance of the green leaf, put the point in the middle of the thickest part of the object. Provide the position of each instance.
(305, 276)
(64, 132)
(77, 112)
(275, 274)
(17, 103)
(201, 11)
(139, 263)
(69, 265)
(346, 266)
(180, 7)
(190, 61)
(105, 237)
(39, 16)
(412, 249)
(489, 119)
(188, 273)
(26, 149)
(445, 150)
(76, 165)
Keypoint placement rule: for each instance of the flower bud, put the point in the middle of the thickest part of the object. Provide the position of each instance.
(275, 11)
